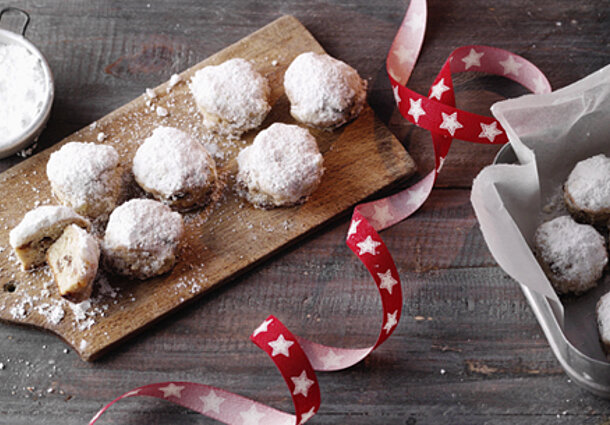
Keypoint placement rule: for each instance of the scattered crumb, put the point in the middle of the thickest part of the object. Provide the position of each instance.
(443, 371)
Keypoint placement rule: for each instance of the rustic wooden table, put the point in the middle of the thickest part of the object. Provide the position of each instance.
(468, 349)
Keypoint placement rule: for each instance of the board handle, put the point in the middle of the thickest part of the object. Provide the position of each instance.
(20, 11)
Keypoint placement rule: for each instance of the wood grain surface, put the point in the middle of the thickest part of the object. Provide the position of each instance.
(462, 314)
(222, 240)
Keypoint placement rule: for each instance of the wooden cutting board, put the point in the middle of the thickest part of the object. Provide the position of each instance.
(222, 240)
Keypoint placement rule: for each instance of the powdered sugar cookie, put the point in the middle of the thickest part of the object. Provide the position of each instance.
(603, 321)
(587, 190)
(572, 255)
(232, 97)
(38, 229)
(86, 177)
(142, 238)
(282, 167)
(74, 260)
(323, 91)
(175, 169)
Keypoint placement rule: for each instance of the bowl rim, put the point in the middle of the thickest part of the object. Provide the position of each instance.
(32, 131)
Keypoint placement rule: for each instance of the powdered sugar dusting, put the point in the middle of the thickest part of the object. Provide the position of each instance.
(603, 319)
(282, 165)
(171, 162)
(234, 92)
(323, 91)
(589, 183)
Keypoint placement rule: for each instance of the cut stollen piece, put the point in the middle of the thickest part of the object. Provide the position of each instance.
(74, 260)
(603, 321)
(38, 229)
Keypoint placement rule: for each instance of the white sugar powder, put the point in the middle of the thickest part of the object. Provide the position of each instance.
(22, 90)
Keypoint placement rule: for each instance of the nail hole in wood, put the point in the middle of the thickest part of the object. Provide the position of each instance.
(10, 286)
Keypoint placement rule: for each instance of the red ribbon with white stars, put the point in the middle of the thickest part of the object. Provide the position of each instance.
(297, 358)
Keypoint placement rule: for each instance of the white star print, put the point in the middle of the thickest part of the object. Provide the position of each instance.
(394, 75)
(211, 402)
(402, 54)
(252, 416)
(368, 245)
(331, 359)
(382, 214)
(171, 390)
(416, 22)
(450, 123)
(510, 65)
(441, 162)
(353, 228)
(391, 322)
(396, 95)
(132, 393)
(280, 346)
(307, 415)
(416, 109)
(473, 58)
(262, 328)
(387, 281)
(301, 384)
(438, 89)
(539, 84)
(417, 197)
(490, 131)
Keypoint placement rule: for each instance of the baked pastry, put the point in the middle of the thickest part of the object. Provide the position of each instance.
(587, 190)
(324, 92)
(282, 167)
(38, 229)
(572, 255)
(232, 97)
(175, 169)
(142, 238)
(603, 321)
(86, 177)
(74, 260)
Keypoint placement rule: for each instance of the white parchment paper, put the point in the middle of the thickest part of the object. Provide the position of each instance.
(549, 133)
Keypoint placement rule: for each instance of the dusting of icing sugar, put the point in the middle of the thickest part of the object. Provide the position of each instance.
(83, 171)
(589, 183)
(170, 162)
(143, 224)
(323, 91)
(23, 90)
(234, 92)
(603, 318)
(40, 218)
(575, 253)
(283, 164)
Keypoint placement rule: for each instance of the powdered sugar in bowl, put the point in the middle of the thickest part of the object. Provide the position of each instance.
(26, 89)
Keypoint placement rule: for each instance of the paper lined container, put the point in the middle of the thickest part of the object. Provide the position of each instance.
(548, 135)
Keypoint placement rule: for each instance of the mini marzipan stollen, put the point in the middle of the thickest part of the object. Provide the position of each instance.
(297, 358)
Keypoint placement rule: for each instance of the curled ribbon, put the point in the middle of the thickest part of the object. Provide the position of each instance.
(297, 358)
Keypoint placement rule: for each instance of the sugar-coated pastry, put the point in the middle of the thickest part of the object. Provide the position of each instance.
(572, 255)
(38, 229)
(142, 238)
(587, 190)
(603, 321)
(86, 177)
(175, 169)
(282, 167)
(232, 97)
(74, 260)
(324, 92)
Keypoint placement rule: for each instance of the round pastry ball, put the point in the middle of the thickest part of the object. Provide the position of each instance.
(587, 190)
(282, 167)
(324, 92)
(232, 97)
(86, 177)
(142, 238)
(572, 255)
(175, 169)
